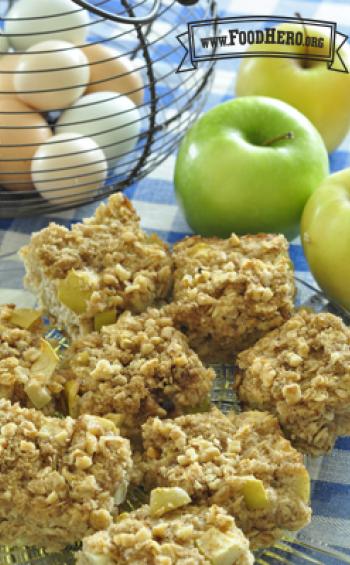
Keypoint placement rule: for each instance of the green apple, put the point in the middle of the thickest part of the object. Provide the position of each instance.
(325, 233)
(319, 93)
(249, 165)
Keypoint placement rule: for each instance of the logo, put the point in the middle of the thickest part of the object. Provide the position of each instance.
(227, 38)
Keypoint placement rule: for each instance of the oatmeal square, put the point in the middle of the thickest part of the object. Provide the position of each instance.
(61, 479)
(230, 292)
(139, 367)
(240, 462)
(86, 276)
(27, 360)
(189, 536)
(301, 373)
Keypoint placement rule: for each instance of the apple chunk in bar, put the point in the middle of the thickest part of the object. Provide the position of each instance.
(61, 479)
(301, 373)
(27, 360)
(186, 535)
(87, 275)
(139, 367)
(240, 462)
(230, 292)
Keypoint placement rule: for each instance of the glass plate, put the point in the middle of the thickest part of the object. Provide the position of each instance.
(325, 541)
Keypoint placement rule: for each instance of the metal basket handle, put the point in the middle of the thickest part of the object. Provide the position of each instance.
(187, 2)
(117, 18)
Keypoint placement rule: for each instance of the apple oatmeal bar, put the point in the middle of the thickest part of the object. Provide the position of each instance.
(27, 360)
(60, 479)
(240, 462)
(230, 292)
(87, 275)
(140, 366)
(301, 373)
(191, 535)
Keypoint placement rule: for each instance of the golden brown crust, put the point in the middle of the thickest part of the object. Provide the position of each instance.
(212, 455)
(301, 373)
(228, 293)
(139, 539)
(139, 367)
(19, 350)
(128, 268)
(58, 477)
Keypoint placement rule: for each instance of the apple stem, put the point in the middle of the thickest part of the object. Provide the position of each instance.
(304, 62)
(288, 135)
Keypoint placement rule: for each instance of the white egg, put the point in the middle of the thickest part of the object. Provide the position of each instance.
(111, 119)
(4, 44)
(54, 78)
(31, 21)
(67, 168)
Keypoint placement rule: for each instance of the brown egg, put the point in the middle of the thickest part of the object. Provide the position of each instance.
(8, 65)
(105, 76)
(21, 133)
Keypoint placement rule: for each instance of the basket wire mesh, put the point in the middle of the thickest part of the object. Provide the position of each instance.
(171, 103)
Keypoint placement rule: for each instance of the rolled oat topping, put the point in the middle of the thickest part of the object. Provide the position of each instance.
(87, 275)
(27, 361)
(58, 477)
(190, 536)
(139, 367)
(240, 462)
(301, 373)
(228, 293)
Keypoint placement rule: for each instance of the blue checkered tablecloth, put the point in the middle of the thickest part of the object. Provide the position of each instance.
(155, 202)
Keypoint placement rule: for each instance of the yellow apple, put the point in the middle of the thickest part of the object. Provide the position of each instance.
(166, 499)
(75, 290)
(320, 94)
(301, 483)
(25, 317)
(47, 361)
(325, 233)
(71, 389)
(105, 318)
(254, 494)
(220, 548)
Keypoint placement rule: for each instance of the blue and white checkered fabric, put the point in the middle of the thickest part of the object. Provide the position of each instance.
(155, 201)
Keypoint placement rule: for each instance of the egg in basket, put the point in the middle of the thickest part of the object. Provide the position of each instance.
(89, 98)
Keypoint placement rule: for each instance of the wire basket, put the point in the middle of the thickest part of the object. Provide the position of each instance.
(163, 104)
